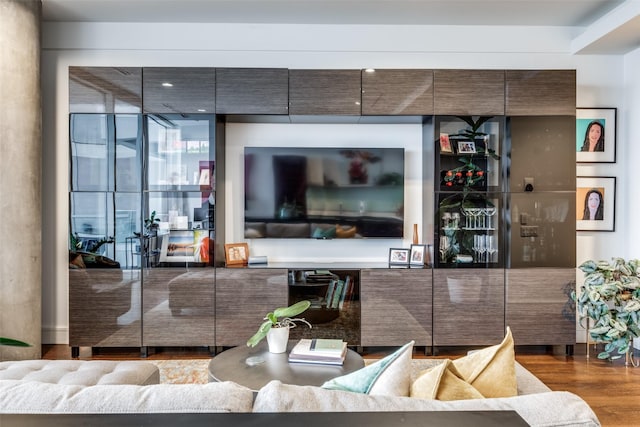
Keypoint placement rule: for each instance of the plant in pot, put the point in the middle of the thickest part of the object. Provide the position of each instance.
(610, 297)
(277, 324)
(13, 343)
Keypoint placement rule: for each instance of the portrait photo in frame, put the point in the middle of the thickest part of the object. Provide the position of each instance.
(445, 144)
(418, 256)
(466, 147)
(596, 135)
(178, 247)
(399, 256)
(595, 203)
(236, 253)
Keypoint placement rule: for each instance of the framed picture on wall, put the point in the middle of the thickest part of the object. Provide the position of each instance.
(596, 135)
(178, 247)
(595, 203)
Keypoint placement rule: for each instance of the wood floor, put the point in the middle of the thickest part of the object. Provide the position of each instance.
(612, 389)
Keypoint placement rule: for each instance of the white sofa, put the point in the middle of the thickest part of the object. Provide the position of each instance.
(535, 403)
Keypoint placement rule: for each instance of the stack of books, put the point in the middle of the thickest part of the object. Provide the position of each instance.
(319, 351)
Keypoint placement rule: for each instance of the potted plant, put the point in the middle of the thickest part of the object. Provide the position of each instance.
(277, 324)
(13, 343)
(152, 224)
(610, 297)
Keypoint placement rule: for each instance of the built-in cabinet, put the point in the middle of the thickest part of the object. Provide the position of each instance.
(148, 144)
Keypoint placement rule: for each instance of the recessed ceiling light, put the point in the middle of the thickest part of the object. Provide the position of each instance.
(167, 84)
(201, 110)
(370, 70)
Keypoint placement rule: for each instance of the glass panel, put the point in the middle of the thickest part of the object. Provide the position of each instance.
(127, 224)
(90, 152)
(91, 222)
(181, 153)
(128, 131)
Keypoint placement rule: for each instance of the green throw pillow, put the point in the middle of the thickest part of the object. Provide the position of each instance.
(390, 376)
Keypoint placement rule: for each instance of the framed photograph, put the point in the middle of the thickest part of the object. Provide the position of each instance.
(595, 203)
(596, 135)
(445, 144)
(236, 253)
(178, 247)
(418, 256)
(399, 256)
(466, 147)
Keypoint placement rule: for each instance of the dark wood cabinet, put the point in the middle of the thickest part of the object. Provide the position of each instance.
(397, 92)
(395, 297)
(243, 297)
(468, 306)
(539, 307)
(105, 90)
(468, 92)
(252, 91)
(324, 92)
(171, 90)
(540, 92)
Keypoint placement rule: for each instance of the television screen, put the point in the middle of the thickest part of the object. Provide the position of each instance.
(323, 193)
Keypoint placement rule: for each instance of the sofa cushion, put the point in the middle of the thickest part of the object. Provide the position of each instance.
(22, 397)
(557, 408)
(389, 376)
(81, 372)
(443, 382)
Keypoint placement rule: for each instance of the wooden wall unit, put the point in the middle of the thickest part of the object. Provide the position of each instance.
(105, 90)
(324, 92)
(540, 93)
(468, 92)
(192, 90)
(252, 91)
(243, 297)
(395, 307)
(539, 309)
(397, 92)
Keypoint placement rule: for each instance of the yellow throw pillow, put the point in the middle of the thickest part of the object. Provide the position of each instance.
(492, 370)
(443, 382)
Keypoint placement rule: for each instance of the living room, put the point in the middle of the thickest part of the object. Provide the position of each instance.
(604, 79)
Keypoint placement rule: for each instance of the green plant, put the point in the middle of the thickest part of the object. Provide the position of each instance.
(76, 243)
(151, 222)
(474, 133)
(280, 318)
(610, 296)
(13, 343)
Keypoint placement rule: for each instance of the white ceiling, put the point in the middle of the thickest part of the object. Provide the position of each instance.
(583, 14)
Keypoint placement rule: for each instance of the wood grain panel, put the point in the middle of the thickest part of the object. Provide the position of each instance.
(324, 92)
(468, 306)
(540, 93)
(397, 92)
(97, 299)
(468, 92)
(395, 307)
(252, 91)
(178, 307)
(539, 307)
(105, 90)
(192, 91)
(243, 297)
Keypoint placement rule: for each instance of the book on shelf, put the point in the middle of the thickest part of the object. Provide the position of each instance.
(320, 351)
(337, 293)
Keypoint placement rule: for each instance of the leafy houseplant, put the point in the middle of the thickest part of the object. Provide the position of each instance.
(13, 343)
(610, 296)
(282, 317)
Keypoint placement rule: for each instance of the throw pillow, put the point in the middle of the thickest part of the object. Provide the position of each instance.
(390, 376)
(443, 382)
(492, 370)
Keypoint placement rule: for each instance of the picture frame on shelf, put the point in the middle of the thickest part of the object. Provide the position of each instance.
(445, 144)
(399, 256)
(466, 147)
(596, 135)
(178, 247)
(418, 255)
(595, 203)
(236, 253)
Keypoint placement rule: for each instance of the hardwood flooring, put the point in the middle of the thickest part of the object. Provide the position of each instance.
(610, 388)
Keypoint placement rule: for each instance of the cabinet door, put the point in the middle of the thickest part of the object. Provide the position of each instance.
(178, 307)
(539, 306)
(252, 91)
(243, 297)
(324, 92)
(468, 92)
(540, 92)
(468, 307)
(397, 92)
(395, 297)
(179, 90)
(105, 90)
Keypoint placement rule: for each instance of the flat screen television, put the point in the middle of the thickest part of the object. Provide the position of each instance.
(323, 193)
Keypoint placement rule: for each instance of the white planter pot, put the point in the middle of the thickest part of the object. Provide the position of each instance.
(278, 339)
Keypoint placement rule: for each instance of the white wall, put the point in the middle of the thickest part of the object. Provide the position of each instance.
(601, 83)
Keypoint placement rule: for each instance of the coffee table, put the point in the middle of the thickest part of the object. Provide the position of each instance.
(255, 367)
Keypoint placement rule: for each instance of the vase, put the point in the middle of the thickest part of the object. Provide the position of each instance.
(278, 338)
(415, 234)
